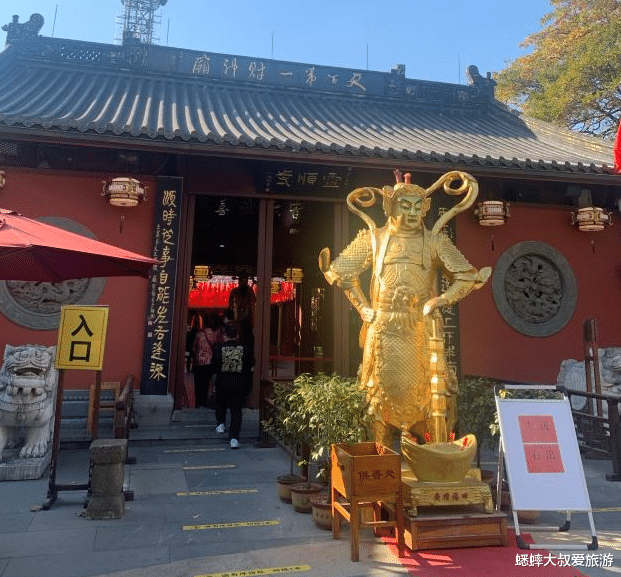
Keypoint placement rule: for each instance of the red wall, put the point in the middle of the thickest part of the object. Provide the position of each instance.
(490, 347)
(79, 198)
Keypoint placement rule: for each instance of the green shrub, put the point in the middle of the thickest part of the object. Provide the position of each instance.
(476, 410)
(317, 411)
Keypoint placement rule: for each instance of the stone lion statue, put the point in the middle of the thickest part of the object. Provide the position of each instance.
(28, 381)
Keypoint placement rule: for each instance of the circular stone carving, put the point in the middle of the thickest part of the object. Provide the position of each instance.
(36, 305)
(534, 289)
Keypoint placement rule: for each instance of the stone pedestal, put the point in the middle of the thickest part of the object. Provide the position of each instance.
(153, 410)
(16, 468)
(108, 474)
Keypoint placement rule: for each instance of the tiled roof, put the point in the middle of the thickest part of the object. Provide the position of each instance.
(152, 93)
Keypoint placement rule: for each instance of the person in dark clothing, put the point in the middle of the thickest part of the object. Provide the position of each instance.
(193, 328)
(232, 362)
(242, 299)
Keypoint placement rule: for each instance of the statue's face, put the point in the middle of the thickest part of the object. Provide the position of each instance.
(409, 213)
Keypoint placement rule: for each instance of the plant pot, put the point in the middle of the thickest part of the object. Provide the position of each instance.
(505, 500)
(488, 477)
(284, 485)
(322, 511)
(528, 517)
(301, 496)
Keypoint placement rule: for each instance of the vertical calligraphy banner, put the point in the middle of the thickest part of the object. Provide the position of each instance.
(450, 315)
(160, 304)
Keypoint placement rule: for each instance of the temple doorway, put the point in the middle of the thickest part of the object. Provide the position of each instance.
(274, 243)
(301, 328)
(224, 260)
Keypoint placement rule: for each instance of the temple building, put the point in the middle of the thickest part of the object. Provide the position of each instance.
(221, 165)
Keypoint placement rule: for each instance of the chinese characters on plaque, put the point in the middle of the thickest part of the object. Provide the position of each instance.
(305, 180)
(240, 68)
(450, 314)
(213, 66)
(376, 475)
(156, 363)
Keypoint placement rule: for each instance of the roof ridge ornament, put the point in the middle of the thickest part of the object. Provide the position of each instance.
(17, 31)
(484, 83)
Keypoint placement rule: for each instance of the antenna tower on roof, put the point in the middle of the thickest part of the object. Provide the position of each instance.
(138, 19)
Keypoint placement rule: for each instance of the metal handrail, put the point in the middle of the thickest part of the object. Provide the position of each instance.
(613, 449)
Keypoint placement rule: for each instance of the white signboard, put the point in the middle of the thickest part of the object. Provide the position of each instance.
(542, 458)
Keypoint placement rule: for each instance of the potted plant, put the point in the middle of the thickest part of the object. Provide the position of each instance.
(325, 409)
(285, 431)
(476, 410)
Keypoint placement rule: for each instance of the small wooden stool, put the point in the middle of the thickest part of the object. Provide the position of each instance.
(366, 475)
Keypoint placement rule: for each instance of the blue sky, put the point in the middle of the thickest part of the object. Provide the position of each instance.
(435, 40)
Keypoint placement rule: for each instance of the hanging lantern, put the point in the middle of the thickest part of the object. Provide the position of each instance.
(492, 212)
(591, 219)
(124, 191)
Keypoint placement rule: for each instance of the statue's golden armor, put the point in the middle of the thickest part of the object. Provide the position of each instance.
(399, 339)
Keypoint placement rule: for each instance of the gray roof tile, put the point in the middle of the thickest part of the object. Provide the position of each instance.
(174, 95)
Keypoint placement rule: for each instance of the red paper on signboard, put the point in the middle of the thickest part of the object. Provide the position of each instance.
(543, 458)
(537, 429)
(541, 449)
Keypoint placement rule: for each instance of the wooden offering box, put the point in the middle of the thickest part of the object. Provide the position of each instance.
(365, 469)
(366, 475)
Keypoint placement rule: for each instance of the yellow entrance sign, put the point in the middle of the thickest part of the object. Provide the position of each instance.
(82, 337)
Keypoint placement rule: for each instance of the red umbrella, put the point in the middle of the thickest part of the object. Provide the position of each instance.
(34, 251)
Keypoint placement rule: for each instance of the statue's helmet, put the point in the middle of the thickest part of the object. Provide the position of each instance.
(391, 196)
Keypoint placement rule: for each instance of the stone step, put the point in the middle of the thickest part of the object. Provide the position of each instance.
(74, 415)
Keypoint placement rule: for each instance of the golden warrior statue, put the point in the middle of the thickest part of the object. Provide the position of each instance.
(403, 367)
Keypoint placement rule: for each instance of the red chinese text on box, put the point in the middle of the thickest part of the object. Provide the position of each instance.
(537, 429)
(543, 458)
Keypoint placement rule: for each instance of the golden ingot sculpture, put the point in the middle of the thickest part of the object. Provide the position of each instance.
(439, 462)
(404, 371)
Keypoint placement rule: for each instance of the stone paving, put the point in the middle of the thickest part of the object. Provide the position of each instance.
(201, 508)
